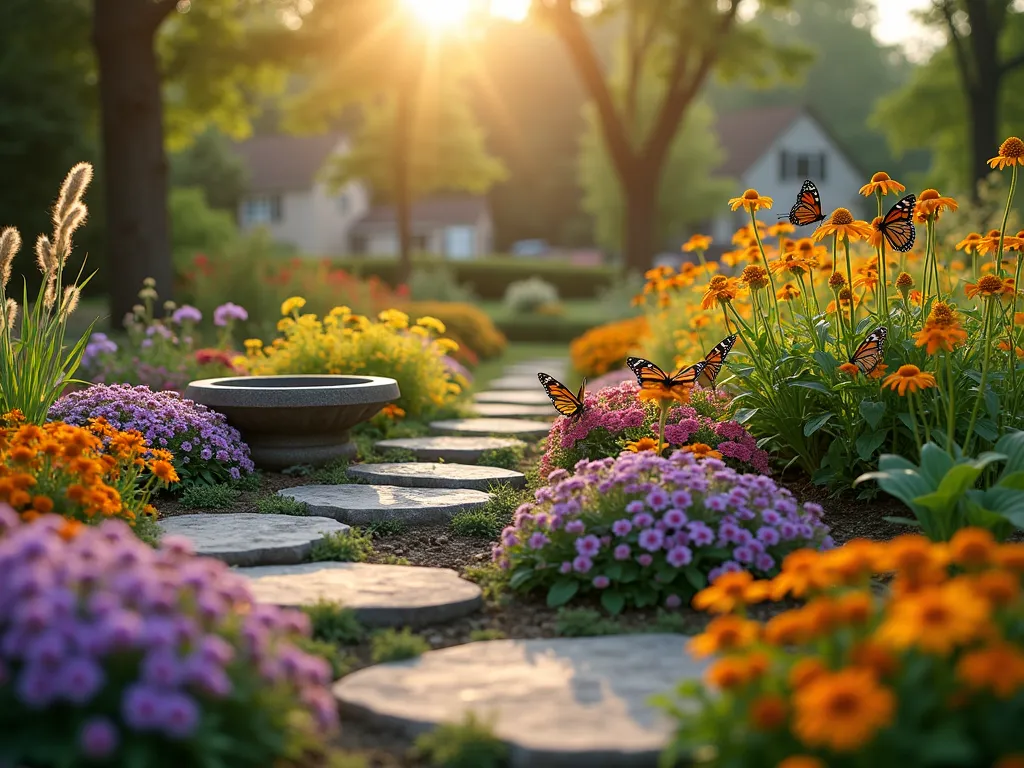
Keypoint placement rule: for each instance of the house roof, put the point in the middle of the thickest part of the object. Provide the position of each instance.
(277, 163)
(746, 134)
(442, 210)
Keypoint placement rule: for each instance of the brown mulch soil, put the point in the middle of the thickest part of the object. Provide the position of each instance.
(437, 546)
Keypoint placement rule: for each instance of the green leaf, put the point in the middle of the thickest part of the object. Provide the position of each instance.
(869, 443)
(613, 601)
(614, 571)
(826, 361)
(816, 423)
(520, 577)
(562, 591)
(1012, 446)
(903, 521)
(744, 415)
(1014, 481)
(817, 386)
(695, 576)
(872, 412)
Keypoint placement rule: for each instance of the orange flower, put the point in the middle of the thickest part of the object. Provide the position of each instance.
(998, 668)
(727, 673)
(782, 228)
(850, 369)
(987, 287)
(721, 289)
(768, 712)
(788, 292)
(930, 203)
(164, 470)
(972, 547)
(970, 243)
(751, 201)
(754, 277)
(941, 330)
(701, 451)
(800, 573)
(909, 378)
(881, 182)
(697, 243)
(643, 444)
(870, 655)
(724, 633)
(842, 710)
(878, 371)
(936, 619)
(725, 594)
(801, 761)
(1011, 152)
(842, 224)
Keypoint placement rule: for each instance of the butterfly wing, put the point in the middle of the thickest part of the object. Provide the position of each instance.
(687, 377)
(583, 391)
(565, 402)
(714, 360)
(648, 375)
(898, 225)
(807, 209)
(870, 353)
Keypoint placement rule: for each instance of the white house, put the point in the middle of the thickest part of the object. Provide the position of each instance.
(287, 196)
(772, 150)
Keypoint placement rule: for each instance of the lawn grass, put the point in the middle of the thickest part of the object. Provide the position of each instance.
(516, 352)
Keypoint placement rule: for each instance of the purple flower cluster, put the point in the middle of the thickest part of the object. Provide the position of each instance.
(227, 312)
(204, 445)
(99, 344)
(155, 646)
(654, 528)
(186, 313)
(615, 416)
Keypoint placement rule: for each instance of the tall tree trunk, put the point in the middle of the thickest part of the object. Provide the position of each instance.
(639, 231)
(134, 163)
(984, 127)
(403, 201)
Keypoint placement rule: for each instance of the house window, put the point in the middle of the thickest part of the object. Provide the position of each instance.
(359, 244)
(262, 209)
(460, 242)
(796, 166)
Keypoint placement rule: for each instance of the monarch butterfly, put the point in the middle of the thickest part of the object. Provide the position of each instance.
(565, 402)
(714, 359)
(869, 353)
(807, 208)
(649, 376)
(898, 225)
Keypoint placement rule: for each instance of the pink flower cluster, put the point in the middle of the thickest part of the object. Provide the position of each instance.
(613, 408)
(730, 438)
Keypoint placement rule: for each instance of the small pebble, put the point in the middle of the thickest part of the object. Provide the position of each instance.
(442, 539)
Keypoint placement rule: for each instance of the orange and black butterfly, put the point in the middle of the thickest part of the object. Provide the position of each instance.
(870, 353)
(807, 208)
(714, 360)
(565, 402)
(649, 376)
(898, 225)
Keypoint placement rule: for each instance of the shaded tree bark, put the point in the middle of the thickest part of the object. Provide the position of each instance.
(135, 165)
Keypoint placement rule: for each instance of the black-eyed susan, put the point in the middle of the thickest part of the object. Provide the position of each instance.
(881, 182)
(909, 378)
(842, 224)
(697, 243)
(930, 203)
(1011, 152)
(722, 290)
(752, 201)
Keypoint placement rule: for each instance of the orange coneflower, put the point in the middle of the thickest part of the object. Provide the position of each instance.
(643, 444)
(701, 451)
(881, 182)
(721, 289)
(987, 287)
(929, 203)
(732, 258)
(876, 236)
(909, 378)
(754, 277)
(791, 262)
(878, 371)
(782, 228)
(697, 243)
(752, 201)
(990, 242)
(970, 243)
(850, 369)
(1011, 152)
(1015, 243)
(788, 292)
(842, 224)
(941, 330)
(1005, 347)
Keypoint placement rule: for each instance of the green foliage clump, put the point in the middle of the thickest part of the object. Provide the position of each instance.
(335, 473)
(393, 645)
(438, 284)
(584, 622)
(209, 496)
(383, 528)
(483, 635)
(250, 482)
(530, 295)
(464, 323)
(469, 744)
(509, 457)
(334, 623)
(281, 505)
(491, 518)
(351, 546)
(491, 579)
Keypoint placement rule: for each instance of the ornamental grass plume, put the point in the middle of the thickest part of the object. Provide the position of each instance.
(857, 676)
(38, 362)
(116, 653)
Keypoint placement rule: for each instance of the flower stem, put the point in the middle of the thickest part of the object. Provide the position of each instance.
(771, 278)
(950, 404)
(1002, 229)
(882, 267)
(665, 405)
(913, 421)
(984, 376)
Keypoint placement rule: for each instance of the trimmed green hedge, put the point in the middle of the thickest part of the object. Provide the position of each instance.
(489, 277)
(538, 328)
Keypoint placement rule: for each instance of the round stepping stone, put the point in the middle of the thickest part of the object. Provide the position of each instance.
(462, 450)
(364, 504)
(252, 538)
(509, 411)
(439, 475)
(510, 427)
(515, 397)
(551, 700)
(380, 595)
(515, 382)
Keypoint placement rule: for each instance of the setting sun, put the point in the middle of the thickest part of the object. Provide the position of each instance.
(440, 13)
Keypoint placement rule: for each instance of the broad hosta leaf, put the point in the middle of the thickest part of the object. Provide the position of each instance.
(872, 412)
(613, 601)
(520, 577)
(562, 591)
(905, 484)
(817, 386)
(869, 443)
(826, 361)
(1012, 446)
(935, 463)
(696, 578)
(816, 423)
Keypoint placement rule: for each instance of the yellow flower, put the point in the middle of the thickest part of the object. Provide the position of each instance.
(935, 618)
(643, 444)
(751, 201)
(697, 243)
(720, 289)
(1011, 152)
(843, 710)
(881, 182)
(291, 305)
(253, 345)
(930, 202)
(339, 311)
(394, 318)
(431, 324)
(909, 378)
(842, 224)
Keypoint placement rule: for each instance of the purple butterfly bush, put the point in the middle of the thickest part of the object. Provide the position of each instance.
(112, 652)
(206, 448)
(615, 417)
(646, 530)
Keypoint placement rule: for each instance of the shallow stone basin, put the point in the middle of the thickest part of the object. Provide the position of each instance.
(289, 420)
